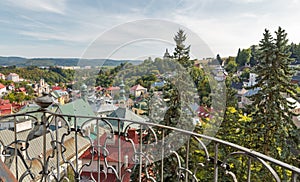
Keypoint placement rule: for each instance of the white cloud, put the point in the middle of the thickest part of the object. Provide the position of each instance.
(225, 25)
(246, 1)
(52, 6)
(60, 36)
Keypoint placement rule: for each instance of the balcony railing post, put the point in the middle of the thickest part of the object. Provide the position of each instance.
(119, 149)
(249, 170)
(98, 151)
(294, 177)
(216, 162)
(77, 176)
(187, 160)
(57, 148)
(162, 156)
(140, 154)
(44, 122)
(16, 150)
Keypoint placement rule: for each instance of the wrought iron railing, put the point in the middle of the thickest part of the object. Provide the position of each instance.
(62, 147)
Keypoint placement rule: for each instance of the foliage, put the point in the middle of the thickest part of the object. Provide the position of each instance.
(219, 59)
(146, 80)
(33, 73)
(273, 130)
(16, 97)
(106, 76)
(181, 53)
(295, 51)
(231, 65)
(245, 74)
(254, 55)
(243, 57)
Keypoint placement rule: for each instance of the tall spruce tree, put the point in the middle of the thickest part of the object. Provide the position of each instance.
(274, 132)
(180, 92)
(181, 50)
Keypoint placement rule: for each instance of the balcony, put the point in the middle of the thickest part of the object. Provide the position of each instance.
(58, 148)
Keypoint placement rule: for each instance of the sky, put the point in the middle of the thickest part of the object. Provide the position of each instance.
(134, 29)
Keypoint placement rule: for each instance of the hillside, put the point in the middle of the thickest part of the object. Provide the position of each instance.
(24, 62)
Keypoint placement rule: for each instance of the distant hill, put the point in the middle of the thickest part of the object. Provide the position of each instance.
(24, 62)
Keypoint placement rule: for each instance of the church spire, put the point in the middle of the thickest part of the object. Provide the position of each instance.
(83, 92)
(166, 55)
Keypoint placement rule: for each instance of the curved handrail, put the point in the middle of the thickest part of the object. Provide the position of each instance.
(295, 170)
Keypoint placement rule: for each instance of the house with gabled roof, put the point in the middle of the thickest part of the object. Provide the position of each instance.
(77, 107)
(60, 96)
(5, 107)
(137, 90)
(112, 91)
(125, 113)
(13, 77)
(2, 89)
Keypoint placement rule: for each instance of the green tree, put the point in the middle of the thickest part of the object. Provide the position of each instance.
(182, 51)
(231, 65)
(243, 57)
(254, 54)
(220, 60)
(273, 130)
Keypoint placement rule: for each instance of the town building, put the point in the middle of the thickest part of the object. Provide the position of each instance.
(2, 76)
(60, 96)
(41, 87)
(137, 90)
(167, 55)
(113, 91)
(112, 158)
(13, 77)
(5, 107)
(2, 90)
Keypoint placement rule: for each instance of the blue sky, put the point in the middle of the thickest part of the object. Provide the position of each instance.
(69, 28)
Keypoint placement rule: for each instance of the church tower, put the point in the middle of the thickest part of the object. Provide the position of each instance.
(83, 92)
(122, 99)
(166, 55)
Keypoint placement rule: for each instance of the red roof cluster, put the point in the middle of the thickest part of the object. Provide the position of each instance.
(56, 88)
(5, 107)
(2, 86)
(112, 148)
(113, 88)
(137, 87)
(204, 112)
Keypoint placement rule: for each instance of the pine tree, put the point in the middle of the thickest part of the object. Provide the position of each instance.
(181, 50)
(274, 131)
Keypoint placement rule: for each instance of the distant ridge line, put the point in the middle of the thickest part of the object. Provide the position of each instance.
(24, 62)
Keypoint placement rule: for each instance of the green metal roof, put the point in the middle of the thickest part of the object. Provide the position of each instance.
(77, 107)
(127, 114)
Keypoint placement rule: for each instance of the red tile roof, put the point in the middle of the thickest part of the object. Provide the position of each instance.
(2, 86)
(137, 87)
(5, 107)
(22, 89)
(203, 112)
(56, 88)
(113, 88)
(126, 147)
